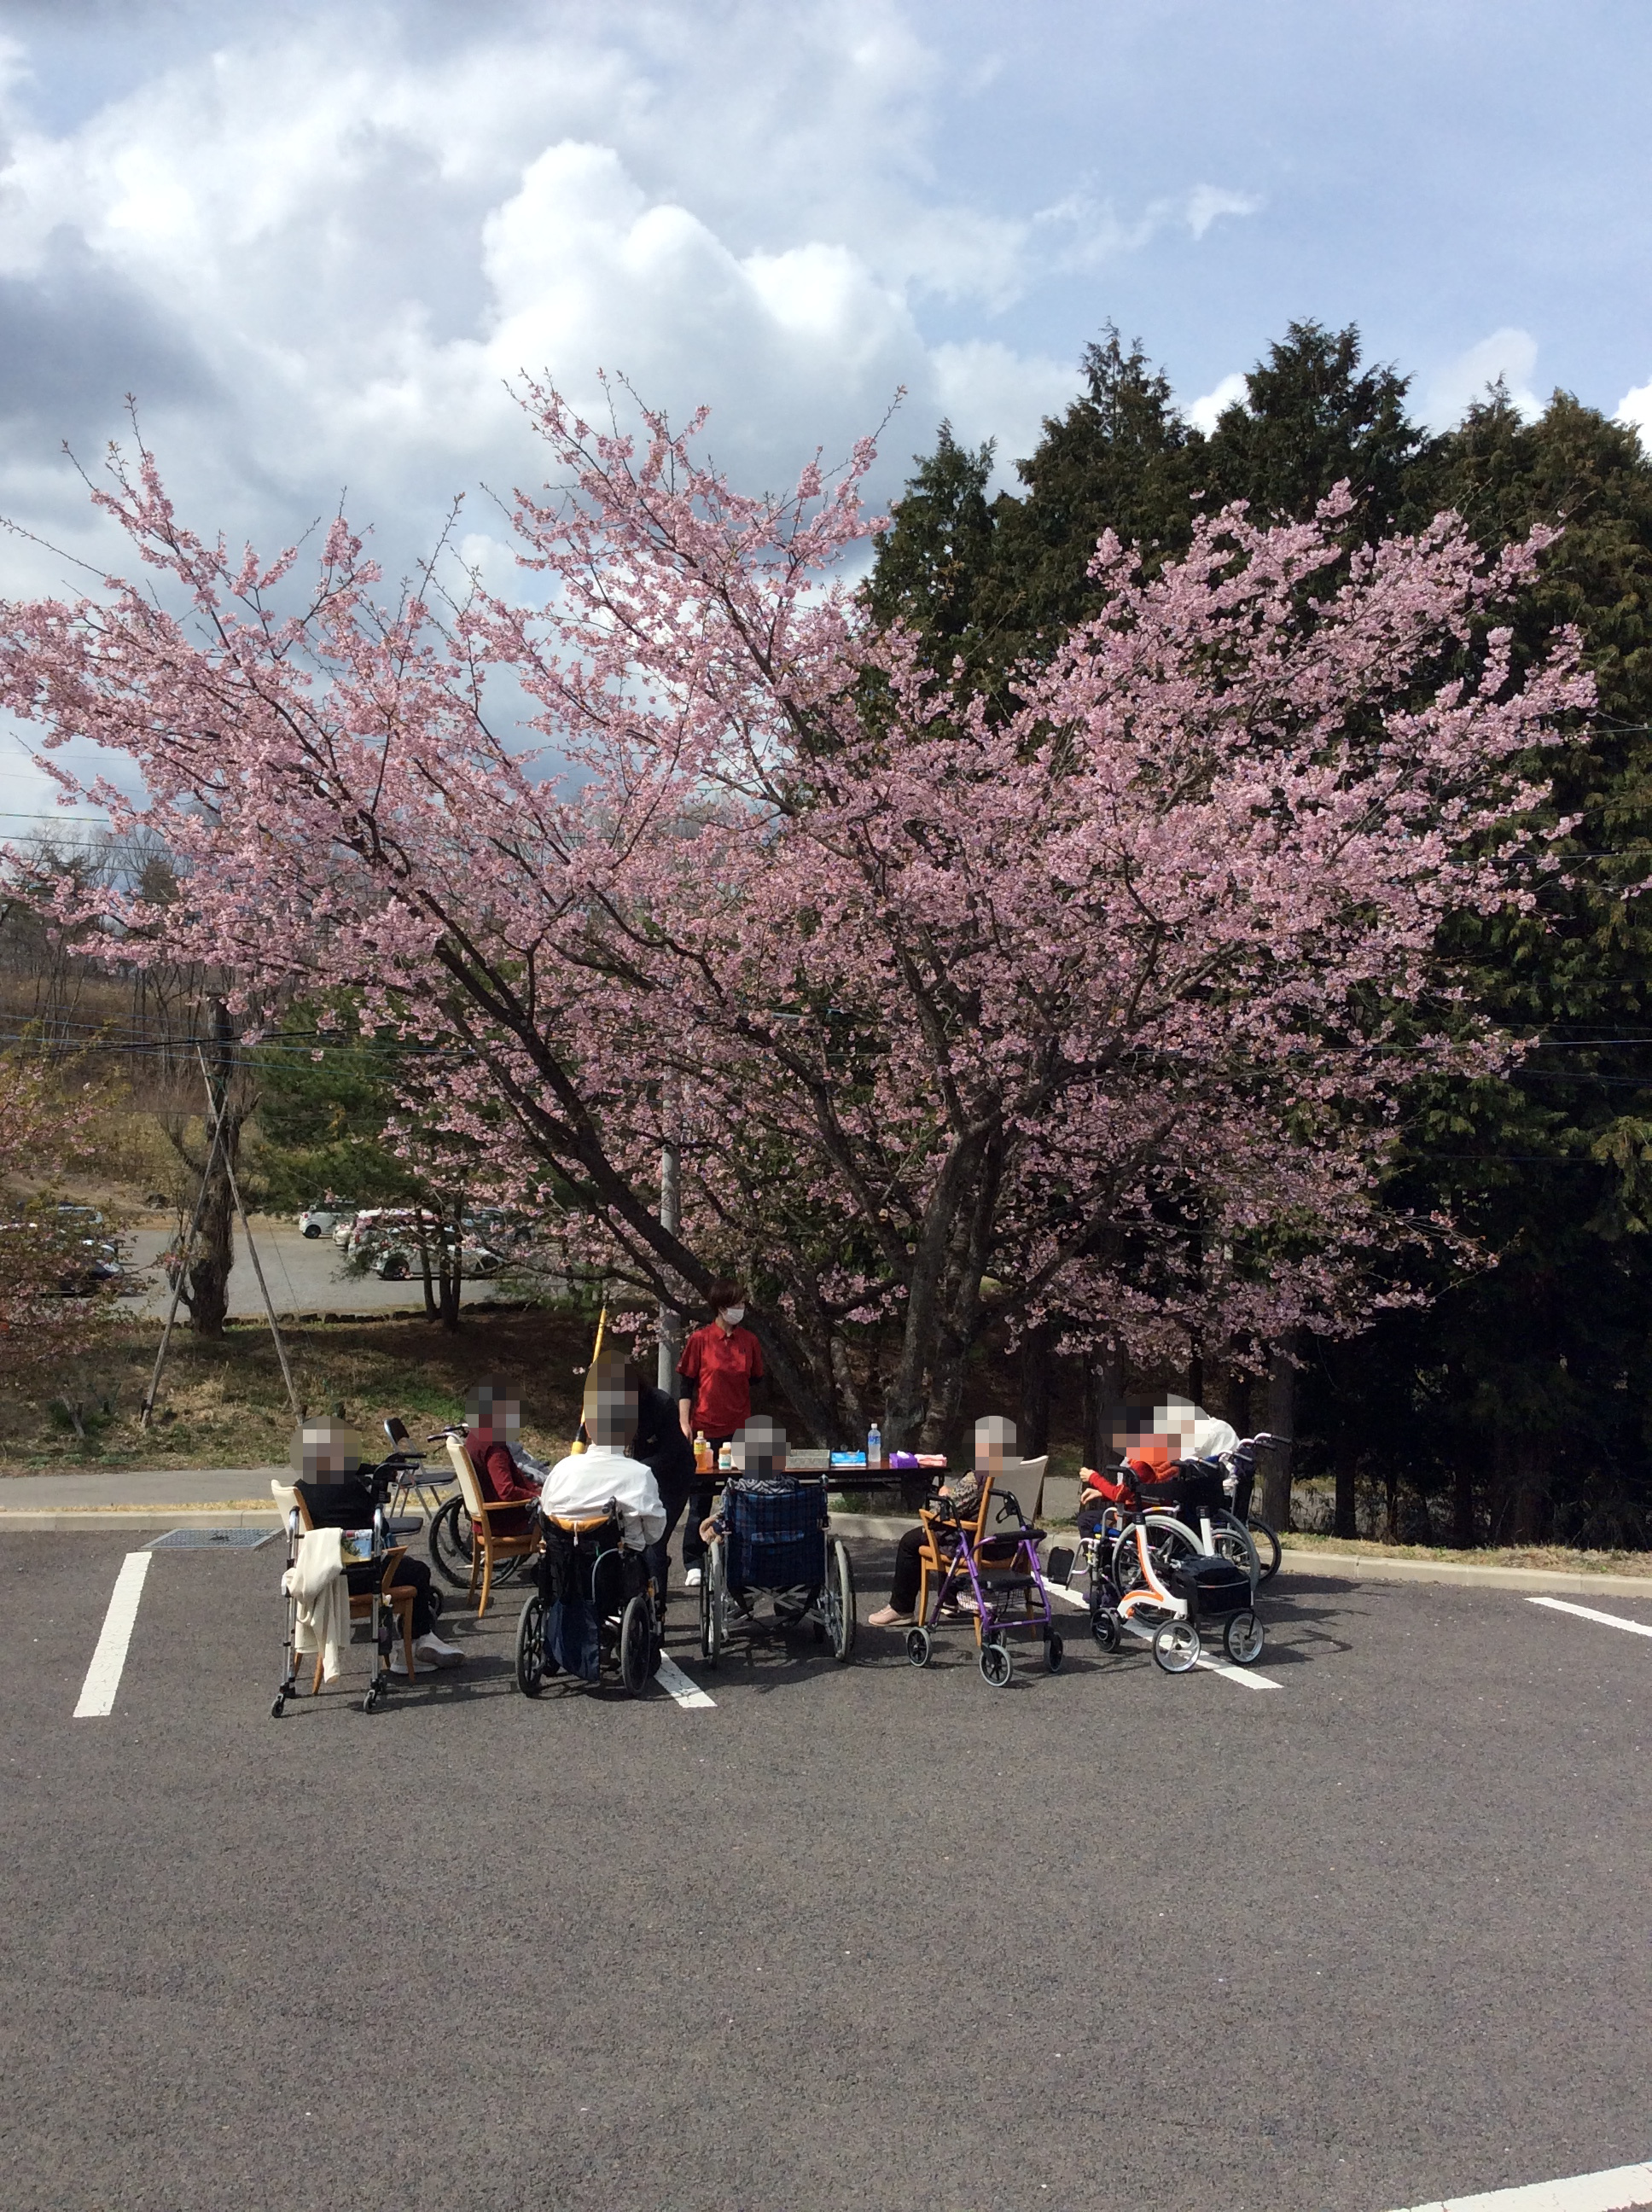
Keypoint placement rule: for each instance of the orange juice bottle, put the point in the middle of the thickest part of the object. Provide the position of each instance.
(702, 1453)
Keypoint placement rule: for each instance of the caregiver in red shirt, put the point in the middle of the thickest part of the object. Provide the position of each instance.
(720, 1364)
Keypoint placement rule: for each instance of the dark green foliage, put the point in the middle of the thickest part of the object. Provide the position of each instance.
(1518, 1400)
(1314, 418)
(1531, 1382)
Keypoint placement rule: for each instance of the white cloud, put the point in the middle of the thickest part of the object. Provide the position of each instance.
(1634, 408)
(1511, 354)
(1229, 392)
(320, 252)
(1205, 203)
(986, 390)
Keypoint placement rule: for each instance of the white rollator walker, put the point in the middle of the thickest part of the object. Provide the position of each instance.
(1155, 1579)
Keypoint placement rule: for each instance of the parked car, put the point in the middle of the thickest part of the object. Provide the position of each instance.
(326, 1217)
(386, 1239)
(92, 1261)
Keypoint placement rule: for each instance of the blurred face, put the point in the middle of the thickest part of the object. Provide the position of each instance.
(611, 1418)
(994, 1445)
(496, 1411)
(760, 1448)
(327, 1451)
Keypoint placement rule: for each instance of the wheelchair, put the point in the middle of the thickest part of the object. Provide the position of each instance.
(772, 1538)
(1151, 1580)
(597, 1594)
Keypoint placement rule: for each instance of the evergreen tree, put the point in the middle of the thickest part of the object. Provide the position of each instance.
(1527, 1385)
(1312, 417)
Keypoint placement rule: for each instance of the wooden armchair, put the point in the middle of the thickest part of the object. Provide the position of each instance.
(489, 1541)
(940, 1545)
(399, 1597)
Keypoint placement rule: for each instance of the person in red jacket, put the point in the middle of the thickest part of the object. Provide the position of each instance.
(720, 1364)
(507, 1474)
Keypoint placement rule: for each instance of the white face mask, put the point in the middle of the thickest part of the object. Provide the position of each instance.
(732, 1315)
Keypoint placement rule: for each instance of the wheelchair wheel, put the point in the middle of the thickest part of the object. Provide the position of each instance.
(1267, 1546)
(636, 1645)
(449, 1542)
(1233, 1540)
(531, 1648)
(1177, 1646)
(1242, 1634)
(437, 1600)
(1053, 1648)
(996, 1665)
(714, 1605)
(1104, 1627)
(917, 1646)
(837, 1600)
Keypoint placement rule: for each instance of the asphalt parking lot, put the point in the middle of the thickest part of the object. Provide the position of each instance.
(852, 1937)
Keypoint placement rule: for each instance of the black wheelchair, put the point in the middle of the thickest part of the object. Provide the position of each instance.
(594, 1608)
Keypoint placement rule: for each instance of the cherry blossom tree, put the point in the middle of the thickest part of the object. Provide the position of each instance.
(952, 1020)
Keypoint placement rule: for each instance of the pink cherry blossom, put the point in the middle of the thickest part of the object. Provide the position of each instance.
(954, 1022)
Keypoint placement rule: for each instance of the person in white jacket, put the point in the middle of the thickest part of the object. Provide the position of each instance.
(588, 1482)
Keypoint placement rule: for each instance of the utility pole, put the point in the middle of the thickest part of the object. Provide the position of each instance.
(670, 1322)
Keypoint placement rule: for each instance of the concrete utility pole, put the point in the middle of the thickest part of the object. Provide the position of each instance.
(670, 1322)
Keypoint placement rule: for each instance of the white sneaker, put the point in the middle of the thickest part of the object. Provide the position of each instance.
(691, 1580)
(399, 1662)
(438, 1654)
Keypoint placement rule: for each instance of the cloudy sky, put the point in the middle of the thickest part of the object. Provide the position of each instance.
(318, 241)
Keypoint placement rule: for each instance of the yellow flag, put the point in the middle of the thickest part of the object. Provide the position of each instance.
(578, 1444)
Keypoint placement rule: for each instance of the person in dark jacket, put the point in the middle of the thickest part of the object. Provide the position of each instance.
(661, 1446)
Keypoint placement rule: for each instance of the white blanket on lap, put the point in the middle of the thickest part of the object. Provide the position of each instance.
(316, 1579)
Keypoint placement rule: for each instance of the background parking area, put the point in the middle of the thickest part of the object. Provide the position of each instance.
(848, 1937)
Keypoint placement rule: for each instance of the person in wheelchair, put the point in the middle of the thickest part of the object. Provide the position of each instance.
(588, 1482)
(588, 1497)
(326, 1456)
(960, 1494)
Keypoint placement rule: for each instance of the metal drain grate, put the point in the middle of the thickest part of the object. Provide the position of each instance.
(213, 1539)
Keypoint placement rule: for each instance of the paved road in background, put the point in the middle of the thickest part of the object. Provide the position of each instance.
(852, 1937)
(305, 1275)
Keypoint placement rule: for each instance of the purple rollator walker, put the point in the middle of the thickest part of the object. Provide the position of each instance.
(1006, 1584)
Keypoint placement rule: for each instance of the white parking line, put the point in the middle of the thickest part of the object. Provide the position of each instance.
(1247, 1675)
(671, 1678)
(1607, 1619)
(1614, 2190)
(103, 1676)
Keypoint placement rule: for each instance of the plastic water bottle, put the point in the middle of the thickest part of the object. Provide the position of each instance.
(874, 1446)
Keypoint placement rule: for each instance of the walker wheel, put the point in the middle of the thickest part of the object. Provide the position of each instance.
(1104, 1627)
(1243, 1635)
(1053, 1649)
(279, 1706)
(370, 1703)
(917, 1646)
(996, 1664)
(1177, 1646)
